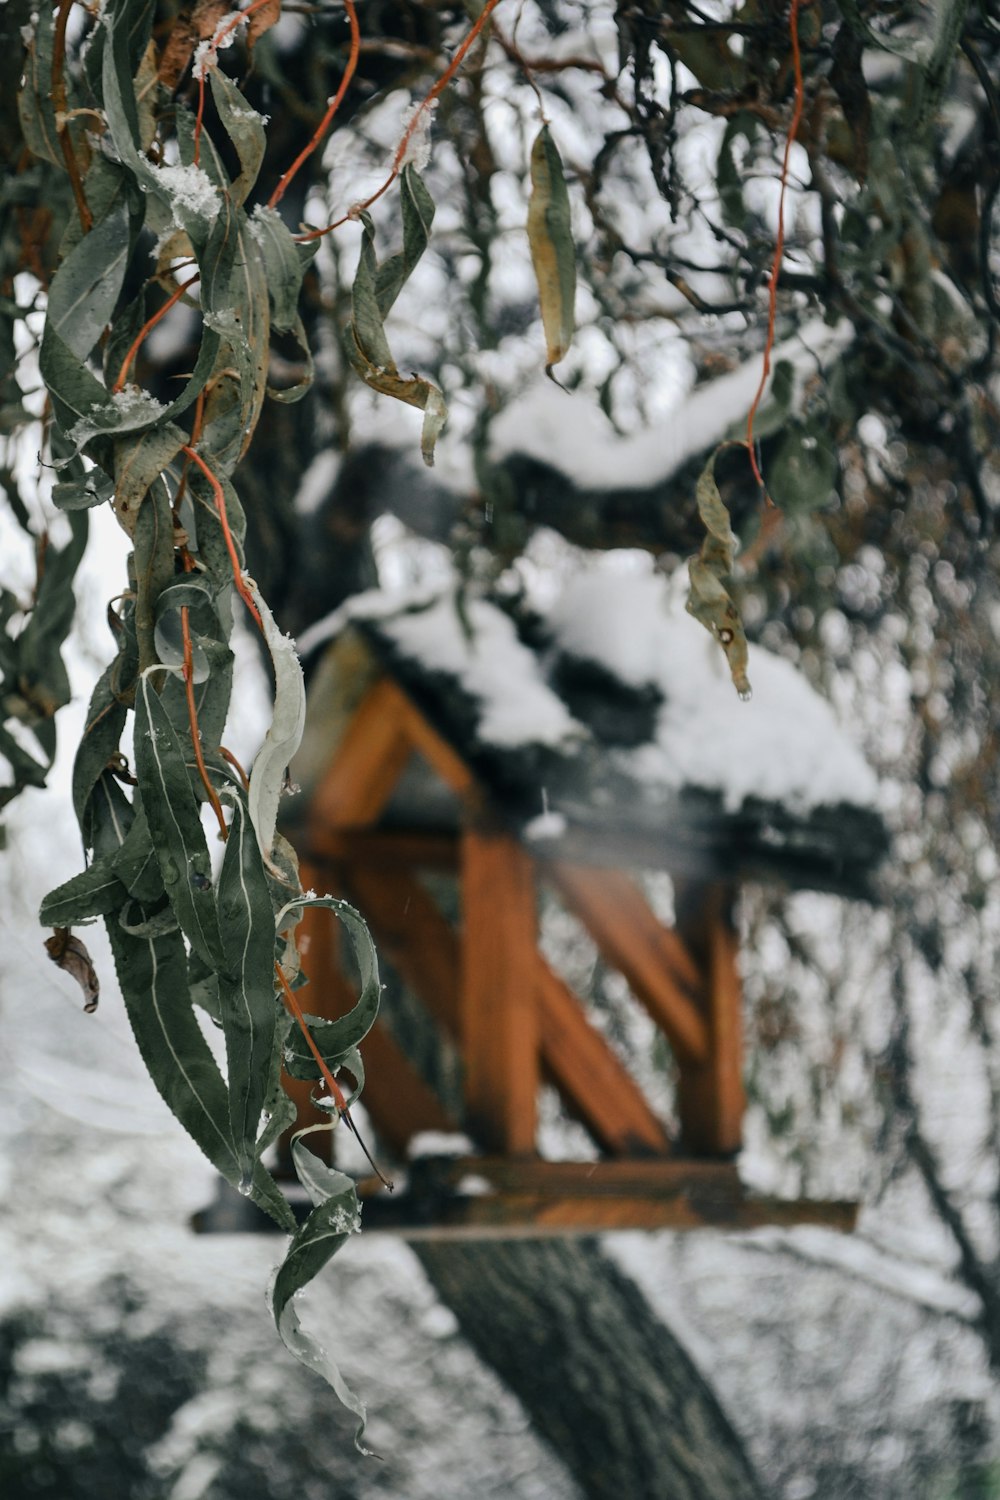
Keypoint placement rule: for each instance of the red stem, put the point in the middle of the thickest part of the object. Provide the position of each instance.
(148, 327)
(772, 300)
(210, 791)
(397, 161)
(234, 557)
(332, 107)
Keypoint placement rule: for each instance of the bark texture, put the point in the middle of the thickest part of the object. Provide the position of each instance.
(604, 1382)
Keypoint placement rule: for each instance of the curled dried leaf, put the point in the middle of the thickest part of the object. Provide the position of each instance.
(550, 238)
(709, 600)
(71, 955)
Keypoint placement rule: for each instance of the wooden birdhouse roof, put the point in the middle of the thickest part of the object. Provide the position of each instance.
(607, 730)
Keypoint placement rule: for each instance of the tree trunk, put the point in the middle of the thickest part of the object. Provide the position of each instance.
(603, 1381)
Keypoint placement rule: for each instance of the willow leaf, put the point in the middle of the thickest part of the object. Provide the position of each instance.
(245, 128)
(336, 1039)
(90, 894)
(138, 462)
(282, 264)
(550, 239)
(85, 289)
(374, 290)
(320, 1237)
(175, 825)
(417, 208)
(154, 565)
(708, 599)
(246, 990)
(267, 776)
(152, 972)
(135, 863)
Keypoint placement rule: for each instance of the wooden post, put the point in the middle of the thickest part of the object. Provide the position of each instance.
(711, 1098)
(498, 1002)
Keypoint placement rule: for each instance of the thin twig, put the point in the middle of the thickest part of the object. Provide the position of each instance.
(148, 327)
(210, 791)
(400, 156)
(234, 557)
(60, 103)
(332, 107)
(779, 247)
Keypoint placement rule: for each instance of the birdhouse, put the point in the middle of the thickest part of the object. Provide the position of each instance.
(463, 757)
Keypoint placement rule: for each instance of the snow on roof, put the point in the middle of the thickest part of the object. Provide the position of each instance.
(572, 434)
(476, 644)
(784, 746)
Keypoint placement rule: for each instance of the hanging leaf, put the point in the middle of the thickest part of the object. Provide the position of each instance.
(267, 776)
(138, 462)
(336, 1039)
(175, 825)
(334, 1219)
(245, 128)
(152, 972)
(71, 955)
(374, 291)
(708, 599)
(85, 289)
(88, 895)
(550, 238)
(153, 561)
(247, 1005)
(283, 265)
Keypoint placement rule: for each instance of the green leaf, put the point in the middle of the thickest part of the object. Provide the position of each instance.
(336, 1039)
(136, 865)
(267, 776)
(175, 825)
(102, 732)
(90, 894)
(550, 238)
(34, 102)
(292, 393)
(154, 565)
(708, 600)
(93, 489)
(327, 1228)
(152, 972)
(76, 393)
(280, 1111)
(247, 1005)
(283, 265)
(189, 592)
(417, 209)
(245, 128)
(138, 463)
(236, 308)
(374, 290)
(86, 287)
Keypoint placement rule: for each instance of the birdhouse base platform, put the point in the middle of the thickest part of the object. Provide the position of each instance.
(497, 1198)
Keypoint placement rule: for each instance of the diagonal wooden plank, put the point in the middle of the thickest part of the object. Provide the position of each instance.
(423, 948)
(589, 1076)
(368, 763)
(396, 1097)
(654, 960)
